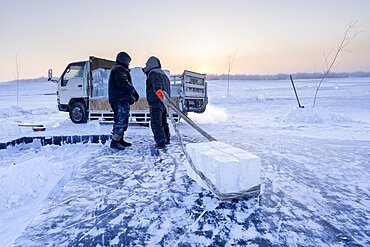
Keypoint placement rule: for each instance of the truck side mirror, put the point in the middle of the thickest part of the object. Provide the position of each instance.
(50, 74)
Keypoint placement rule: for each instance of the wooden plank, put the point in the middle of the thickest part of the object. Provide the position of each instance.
(102, 104)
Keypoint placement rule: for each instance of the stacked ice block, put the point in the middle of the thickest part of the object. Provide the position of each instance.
(230, 169)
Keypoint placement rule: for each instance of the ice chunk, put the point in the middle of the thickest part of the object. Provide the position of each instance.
(139, 80)
(100, 79)
(230, 169)
(191, 149)
(249, 175)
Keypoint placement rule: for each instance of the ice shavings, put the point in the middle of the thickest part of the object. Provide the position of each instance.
(25, 181)
(9, 130)
(30, 176)
(13, 111)
(230, 169)
(213, 114)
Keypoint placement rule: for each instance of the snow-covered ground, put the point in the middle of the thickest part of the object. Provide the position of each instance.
(315, 172)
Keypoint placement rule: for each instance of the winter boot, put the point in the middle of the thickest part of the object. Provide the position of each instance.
(115, 143)
(160, 145)
(124, 143)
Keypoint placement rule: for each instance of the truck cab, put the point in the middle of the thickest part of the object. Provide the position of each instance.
(72, 94)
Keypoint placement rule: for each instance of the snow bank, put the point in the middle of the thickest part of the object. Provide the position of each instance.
(13, 111)
(28, 180)
(230, 169)
(9, 131)
(34, 177)
(30, 176)
(314, 115)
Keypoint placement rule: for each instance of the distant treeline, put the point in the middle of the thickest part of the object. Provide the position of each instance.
(280, 76)
(28, 80)
(286, 76)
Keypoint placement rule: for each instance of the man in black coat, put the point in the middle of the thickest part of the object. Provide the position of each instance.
(121, 95)
(157, 81)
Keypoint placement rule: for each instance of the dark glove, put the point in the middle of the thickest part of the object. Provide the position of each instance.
(136, 96)
(132, 100)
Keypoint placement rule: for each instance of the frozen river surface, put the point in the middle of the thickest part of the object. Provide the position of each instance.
(315, 179)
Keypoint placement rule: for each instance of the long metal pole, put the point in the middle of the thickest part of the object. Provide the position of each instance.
(167, 100)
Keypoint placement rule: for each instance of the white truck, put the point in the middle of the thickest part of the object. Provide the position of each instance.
(83, 92)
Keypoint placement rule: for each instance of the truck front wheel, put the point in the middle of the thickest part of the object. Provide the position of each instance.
(78, 112)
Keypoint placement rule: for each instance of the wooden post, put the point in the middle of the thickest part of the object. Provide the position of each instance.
(295, 92)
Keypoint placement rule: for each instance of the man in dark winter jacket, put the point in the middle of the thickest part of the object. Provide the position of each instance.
(157, 82)
(121, 95)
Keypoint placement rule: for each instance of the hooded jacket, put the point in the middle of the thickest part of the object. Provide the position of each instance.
(120, 86)
(156, 79)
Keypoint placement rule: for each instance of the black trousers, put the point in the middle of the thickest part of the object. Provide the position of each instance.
(159, 125)
(121, 113)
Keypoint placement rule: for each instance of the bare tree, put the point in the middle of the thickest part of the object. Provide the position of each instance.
(349, 35)
(231, 61)
(17, 70)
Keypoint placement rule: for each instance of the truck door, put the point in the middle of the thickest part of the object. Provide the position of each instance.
(193, 97)
(72, 83)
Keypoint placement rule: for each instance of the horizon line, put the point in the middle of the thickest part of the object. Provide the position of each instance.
(299, 75)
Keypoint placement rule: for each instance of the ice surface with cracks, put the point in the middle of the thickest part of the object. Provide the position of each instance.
(314, 174)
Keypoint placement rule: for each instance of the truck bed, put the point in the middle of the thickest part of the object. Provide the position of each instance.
(101, 110)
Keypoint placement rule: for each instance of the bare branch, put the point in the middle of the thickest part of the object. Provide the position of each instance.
(231, 61)
(347, 38)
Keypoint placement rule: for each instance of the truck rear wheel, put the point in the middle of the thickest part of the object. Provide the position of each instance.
(78, 112)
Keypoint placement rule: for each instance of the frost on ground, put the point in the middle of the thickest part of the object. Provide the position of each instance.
(142, 197)
(30, 177)
(315, 179)
(316, 115)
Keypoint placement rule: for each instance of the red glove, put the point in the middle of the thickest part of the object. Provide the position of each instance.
(159, 93)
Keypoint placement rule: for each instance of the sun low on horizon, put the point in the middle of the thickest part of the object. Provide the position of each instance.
(266, 37)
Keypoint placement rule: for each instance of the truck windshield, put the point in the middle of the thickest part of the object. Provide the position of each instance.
(72, 71)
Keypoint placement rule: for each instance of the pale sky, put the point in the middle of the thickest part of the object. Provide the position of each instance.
(267, 36)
